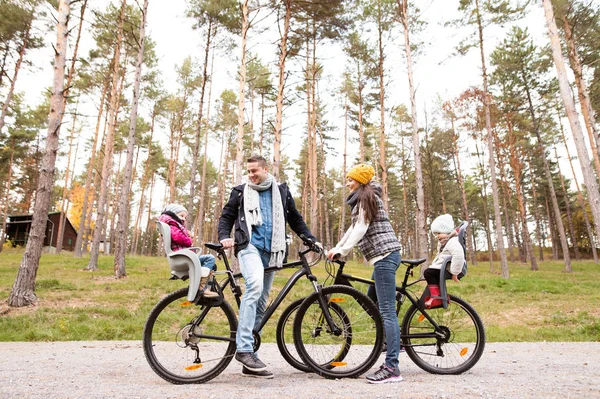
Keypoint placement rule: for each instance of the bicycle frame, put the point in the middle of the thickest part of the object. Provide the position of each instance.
(401, 292)
(303, 271)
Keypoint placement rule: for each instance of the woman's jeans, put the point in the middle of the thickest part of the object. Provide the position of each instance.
(385, 286)
(253, 262)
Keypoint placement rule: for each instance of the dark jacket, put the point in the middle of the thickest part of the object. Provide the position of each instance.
(233, 215)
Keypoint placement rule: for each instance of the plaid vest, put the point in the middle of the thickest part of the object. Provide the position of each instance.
(380, 238)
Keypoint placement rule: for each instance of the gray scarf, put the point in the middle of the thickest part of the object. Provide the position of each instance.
(254, 217)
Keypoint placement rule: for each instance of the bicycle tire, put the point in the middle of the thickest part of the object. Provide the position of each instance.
(285, 337)
(349, 354)
(461, 345)
(189, 344)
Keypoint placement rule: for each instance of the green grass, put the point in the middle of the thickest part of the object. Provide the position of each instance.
(545, 305)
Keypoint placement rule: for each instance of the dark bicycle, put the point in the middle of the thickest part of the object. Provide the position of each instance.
(447, 339)
(191, 339)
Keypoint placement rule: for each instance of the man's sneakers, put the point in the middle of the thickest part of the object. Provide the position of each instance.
(384, 375)
(267, 375)
(250, 361)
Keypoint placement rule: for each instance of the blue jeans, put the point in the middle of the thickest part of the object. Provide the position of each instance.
(385, 286)
(208, 261)
(253, 262)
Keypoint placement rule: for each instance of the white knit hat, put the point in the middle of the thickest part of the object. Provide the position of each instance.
(443, 224)
(175, 208)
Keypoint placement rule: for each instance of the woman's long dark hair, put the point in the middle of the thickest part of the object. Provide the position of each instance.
(367, 198)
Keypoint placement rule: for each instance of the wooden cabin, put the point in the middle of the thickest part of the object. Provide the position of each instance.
(18, 226)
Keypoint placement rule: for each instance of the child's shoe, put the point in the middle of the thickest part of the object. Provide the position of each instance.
(204, 287)
(432, 302)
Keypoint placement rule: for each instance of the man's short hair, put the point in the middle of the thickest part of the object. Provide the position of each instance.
(258, 158)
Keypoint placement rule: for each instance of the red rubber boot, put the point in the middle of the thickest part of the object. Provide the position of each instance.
(434, 290)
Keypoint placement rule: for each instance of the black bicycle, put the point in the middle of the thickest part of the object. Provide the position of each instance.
(440, 340)
(194, 341)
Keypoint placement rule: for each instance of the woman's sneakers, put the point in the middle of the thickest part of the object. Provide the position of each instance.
(384, 375)
(267, 375)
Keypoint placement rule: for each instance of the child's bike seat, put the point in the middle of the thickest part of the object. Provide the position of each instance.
(184, 263)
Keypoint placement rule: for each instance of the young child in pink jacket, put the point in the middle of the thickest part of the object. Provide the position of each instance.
(174, 215)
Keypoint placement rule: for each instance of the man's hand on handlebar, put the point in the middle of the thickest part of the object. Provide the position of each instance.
(228, 243)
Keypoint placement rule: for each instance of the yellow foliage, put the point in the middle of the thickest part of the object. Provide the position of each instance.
(76, 198)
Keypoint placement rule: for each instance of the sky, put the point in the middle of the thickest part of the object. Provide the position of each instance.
(437, 74)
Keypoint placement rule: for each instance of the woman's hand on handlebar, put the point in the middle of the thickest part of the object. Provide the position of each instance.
(333, 254)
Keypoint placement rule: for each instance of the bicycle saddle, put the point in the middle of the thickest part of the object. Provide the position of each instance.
(215, 246)
(413, 262)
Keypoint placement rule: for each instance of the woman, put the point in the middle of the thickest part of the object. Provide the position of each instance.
(375, 237)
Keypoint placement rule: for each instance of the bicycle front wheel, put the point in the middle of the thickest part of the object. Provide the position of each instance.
(188, 344)
(285, 337)
(352, 346)
(453, 347)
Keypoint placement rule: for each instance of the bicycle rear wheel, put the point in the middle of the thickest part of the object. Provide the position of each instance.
(454, 347)
(348, 352)
(188, 344)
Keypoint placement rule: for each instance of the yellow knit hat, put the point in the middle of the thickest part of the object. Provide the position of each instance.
(361, 173)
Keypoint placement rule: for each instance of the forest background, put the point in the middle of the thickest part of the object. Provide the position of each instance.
(463, 107)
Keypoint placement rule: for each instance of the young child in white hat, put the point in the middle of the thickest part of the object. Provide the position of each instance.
(443, 229)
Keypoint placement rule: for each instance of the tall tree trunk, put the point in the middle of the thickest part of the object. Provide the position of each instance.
(7, 195)
(538, 234)
(328, 235)
(283, 52)
(13, 81)
(81, 231)
(146, 243)
(406, 237)
(587, 111)
(382, 144)
(542, 154)
(108, 146)
(486, 213)
(517, 167)
(488, 126)
(145, 177)
(201, 211)
(66, 96)
(22, 293)
(567, 207)
(342, 227)
(565, 91)
(2, 71)
(262, 124)
(121, 233)
(505, 201)
(239, 151)
(361, 126)
(551, 229)
(581, 200)
(312, 132)
(200, 123)
(61, 222)
(75, 51)
(421, 232)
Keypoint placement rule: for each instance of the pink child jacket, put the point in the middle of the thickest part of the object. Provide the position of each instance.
(180, 237)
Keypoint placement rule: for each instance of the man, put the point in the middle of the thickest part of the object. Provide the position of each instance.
(259, 211)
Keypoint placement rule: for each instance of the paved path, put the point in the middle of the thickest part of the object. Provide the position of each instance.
(118, 369)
